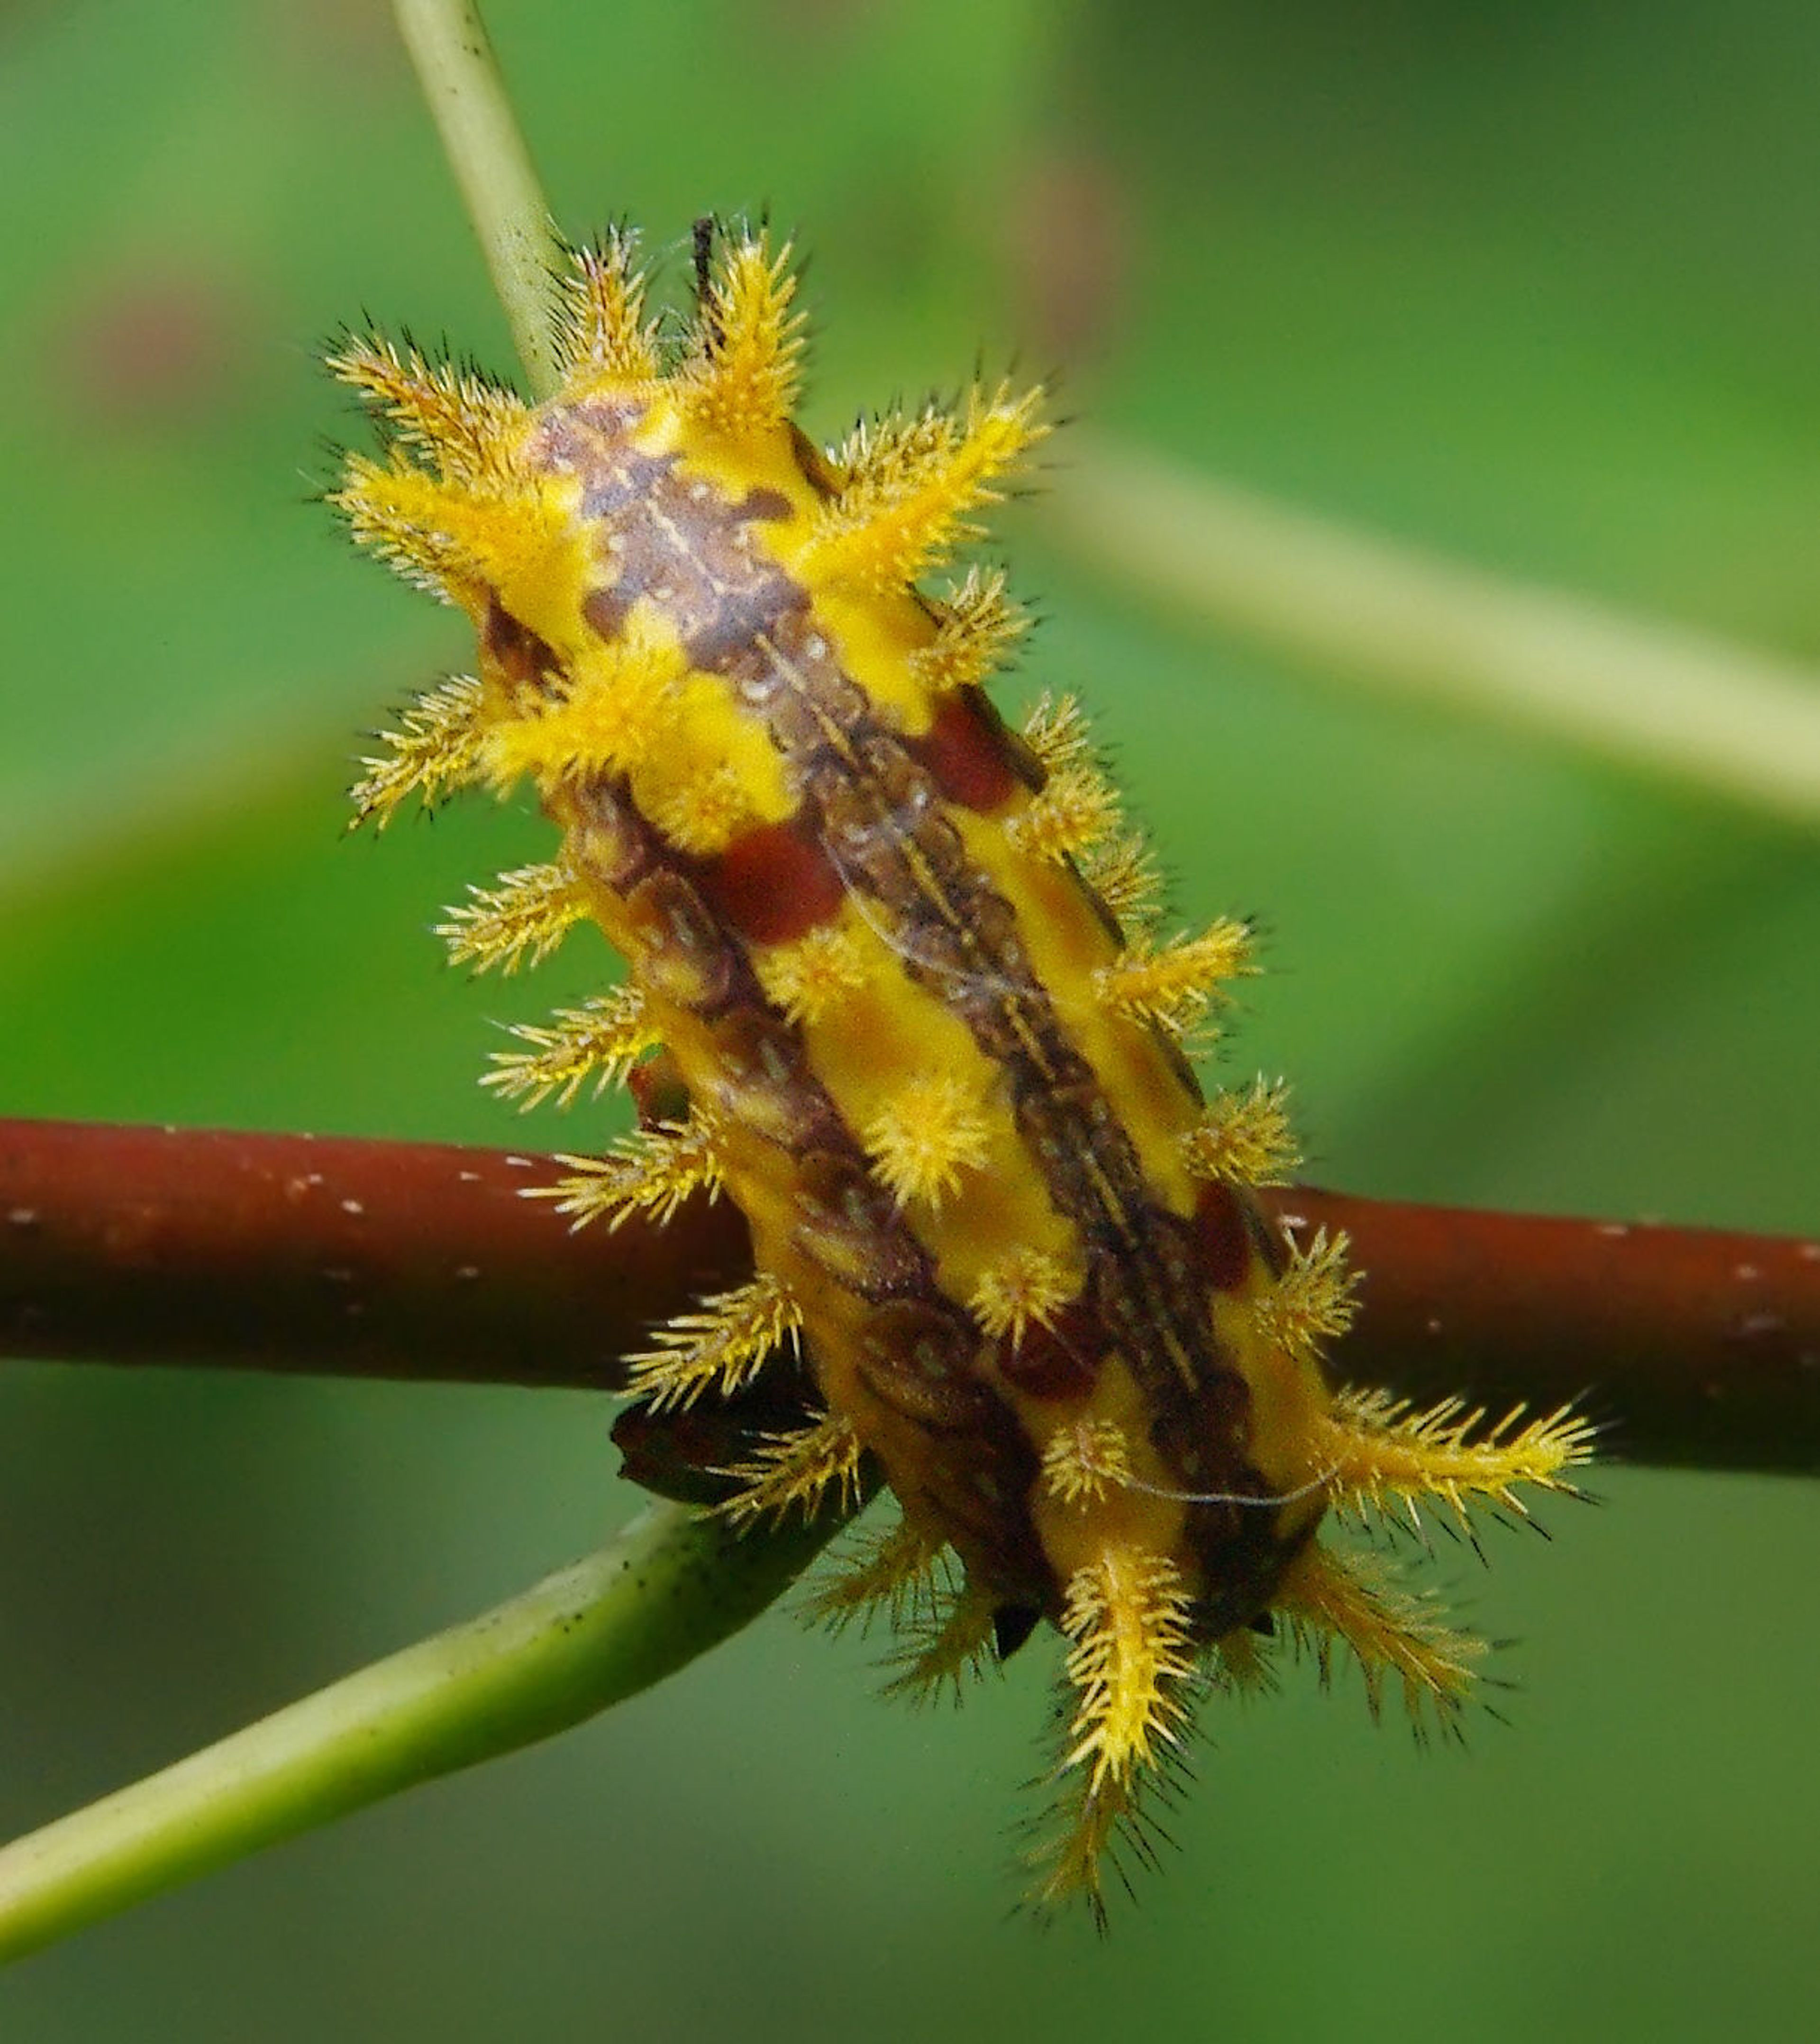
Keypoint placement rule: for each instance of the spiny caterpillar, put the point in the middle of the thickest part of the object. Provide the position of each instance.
(896, 986)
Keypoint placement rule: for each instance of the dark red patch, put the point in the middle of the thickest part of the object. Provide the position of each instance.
(965, 753)
(1058, 1361)
(1222, 1239)
(775, 884)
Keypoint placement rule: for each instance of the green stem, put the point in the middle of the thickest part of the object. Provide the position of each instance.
(459, 75)
(671, 1585)
(1640, 692)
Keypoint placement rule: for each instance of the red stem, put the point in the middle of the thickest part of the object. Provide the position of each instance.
(420, 1261)
(410, 1260)
(1692, 1346)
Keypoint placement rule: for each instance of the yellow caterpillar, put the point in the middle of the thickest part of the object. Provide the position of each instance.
(915, 1018)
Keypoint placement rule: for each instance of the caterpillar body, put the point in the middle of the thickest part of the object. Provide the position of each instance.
(896, 972)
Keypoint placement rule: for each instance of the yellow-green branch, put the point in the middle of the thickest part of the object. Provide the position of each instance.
(466, 96)
(670, 1585)
(1641, 692)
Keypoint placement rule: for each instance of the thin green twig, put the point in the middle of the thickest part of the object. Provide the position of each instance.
(1639, 691)
(671, 1585)
(459, 75)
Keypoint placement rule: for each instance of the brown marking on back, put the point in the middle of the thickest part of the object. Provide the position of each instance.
(849, 1227)
(608, 841)
(682, 956)
(763, 503)
(515, 658)
(919, 1357)
(779, 1099)
(882, 818)
(814, 465)
(605, 610)
(872, 823)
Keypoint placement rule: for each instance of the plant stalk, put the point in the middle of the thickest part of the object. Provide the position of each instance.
(1640, 692)
(670, 1586)
(466, 96)
(1701, 1346)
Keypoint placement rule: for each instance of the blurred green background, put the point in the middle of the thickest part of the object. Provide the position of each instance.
(1537, 285)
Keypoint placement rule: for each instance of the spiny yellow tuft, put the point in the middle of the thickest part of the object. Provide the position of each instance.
(1172, 984)
(1244, 1138)
(897, 1572)
(746, 378)
(1132, 1669)
(613, 717)
(1057, 731)
(1382, 1453)
(1074, 810)
(1312, 1302)
(705, 813)
(912, 482)
(601, 329)
(1069, 1863)
(722, 1346)
(980, 625)
(518, 920)
(1021, 1287)
(924, 1138)
(1124, 873)
(809, 977)
(1334, 1600)
(1083, 1461)
(600, 1040)
(455, 539)
(1128, 1614)
(817, 1466)
(463, 424)
(953, 1649)
(436, 749)
(1117, 863)
(651, 1171)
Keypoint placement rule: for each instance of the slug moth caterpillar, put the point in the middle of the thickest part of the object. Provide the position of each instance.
(896, 985)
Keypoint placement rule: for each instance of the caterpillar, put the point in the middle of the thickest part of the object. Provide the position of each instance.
(897, 985)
